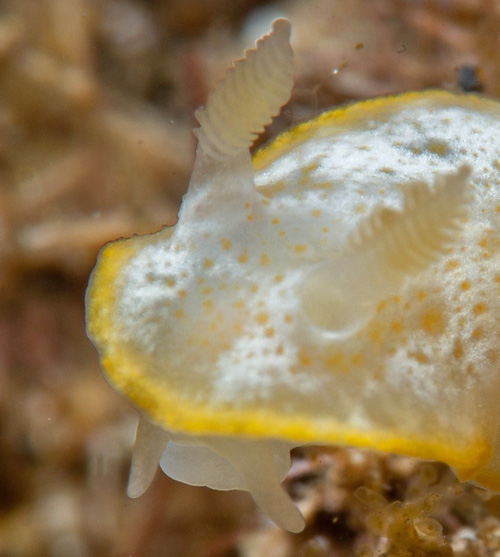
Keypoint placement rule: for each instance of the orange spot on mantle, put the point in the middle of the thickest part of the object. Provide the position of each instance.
(432, 321)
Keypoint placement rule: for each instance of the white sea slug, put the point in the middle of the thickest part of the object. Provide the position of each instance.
(341, 288)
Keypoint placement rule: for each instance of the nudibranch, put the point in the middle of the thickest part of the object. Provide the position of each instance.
(343, 287)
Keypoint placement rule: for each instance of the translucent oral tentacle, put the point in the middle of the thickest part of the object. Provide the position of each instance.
(199, 465)
(150, 441)
(258, 465)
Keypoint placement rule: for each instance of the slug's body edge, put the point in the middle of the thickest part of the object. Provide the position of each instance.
(357, 113)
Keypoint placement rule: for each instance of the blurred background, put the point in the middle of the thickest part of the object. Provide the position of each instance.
(96, 110)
